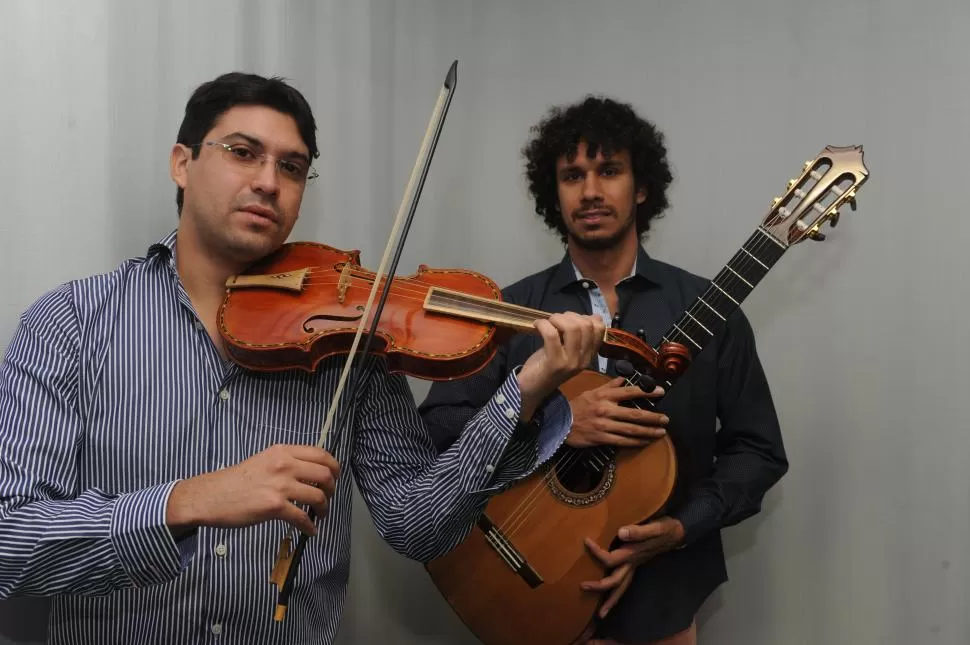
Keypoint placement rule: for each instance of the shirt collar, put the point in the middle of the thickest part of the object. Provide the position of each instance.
(164, 248)
(567, 275)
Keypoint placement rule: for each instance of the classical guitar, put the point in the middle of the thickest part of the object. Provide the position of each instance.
(516, 578)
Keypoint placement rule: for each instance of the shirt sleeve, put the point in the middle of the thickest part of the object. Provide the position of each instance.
(750, 454)
(54, 537)
(424, 503)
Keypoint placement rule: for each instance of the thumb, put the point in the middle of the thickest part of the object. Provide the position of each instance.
(638, 532)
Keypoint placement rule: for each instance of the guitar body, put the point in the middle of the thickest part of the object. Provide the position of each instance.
(516, 578)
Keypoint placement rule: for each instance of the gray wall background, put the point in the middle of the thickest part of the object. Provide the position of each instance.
(863, 336)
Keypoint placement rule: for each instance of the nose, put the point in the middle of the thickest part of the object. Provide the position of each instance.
(591, 187)
(266, 180)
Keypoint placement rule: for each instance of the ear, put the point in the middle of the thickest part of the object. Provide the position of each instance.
(179, 164)
(641, 195)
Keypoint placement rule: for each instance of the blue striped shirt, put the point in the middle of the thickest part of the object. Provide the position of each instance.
(111, 391)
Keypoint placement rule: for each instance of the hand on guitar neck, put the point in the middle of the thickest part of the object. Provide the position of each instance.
(599, 419)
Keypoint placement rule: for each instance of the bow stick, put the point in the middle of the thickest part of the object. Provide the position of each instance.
(287, 560)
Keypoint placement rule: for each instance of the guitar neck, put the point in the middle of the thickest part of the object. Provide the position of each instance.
(708, 314)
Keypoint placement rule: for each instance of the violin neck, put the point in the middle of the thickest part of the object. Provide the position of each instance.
(463, 305)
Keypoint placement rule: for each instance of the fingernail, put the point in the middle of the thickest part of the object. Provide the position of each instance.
(624, 534)
(664, 419)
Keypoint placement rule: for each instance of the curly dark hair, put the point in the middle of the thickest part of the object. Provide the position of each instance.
(604, 123)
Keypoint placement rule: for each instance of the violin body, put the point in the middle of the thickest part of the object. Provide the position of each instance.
(304, 304)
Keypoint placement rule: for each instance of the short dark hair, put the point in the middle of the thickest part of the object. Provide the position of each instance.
(604, 123)
(213, 98)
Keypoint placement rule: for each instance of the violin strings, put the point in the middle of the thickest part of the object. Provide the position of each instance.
(495, 309)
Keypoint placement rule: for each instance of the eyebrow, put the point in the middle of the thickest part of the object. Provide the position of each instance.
(606, 163)
(259, 144)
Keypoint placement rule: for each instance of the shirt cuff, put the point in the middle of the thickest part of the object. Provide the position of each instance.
(511, 455)
(699, 516)
(143, 541)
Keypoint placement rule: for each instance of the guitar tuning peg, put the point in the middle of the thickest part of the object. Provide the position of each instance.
(851, 200)
(835, 219)
(807, 164)
(815, 235)
(791, 182)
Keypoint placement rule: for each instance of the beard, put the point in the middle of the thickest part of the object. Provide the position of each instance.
(599, 242)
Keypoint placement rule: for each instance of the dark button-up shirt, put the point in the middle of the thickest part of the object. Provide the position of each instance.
(722, 422)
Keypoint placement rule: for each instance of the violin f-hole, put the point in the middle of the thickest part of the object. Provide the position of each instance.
(332, 317)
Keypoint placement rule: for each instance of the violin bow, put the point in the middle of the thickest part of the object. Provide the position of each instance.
(287, 559)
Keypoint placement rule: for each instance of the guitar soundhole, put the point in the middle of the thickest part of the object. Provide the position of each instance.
(582, 477)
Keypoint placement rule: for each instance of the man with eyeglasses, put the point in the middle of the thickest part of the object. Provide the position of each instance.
(146, 480)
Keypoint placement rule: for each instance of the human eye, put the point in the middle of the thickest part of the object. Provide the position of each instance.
(241, 152)
(292, 169)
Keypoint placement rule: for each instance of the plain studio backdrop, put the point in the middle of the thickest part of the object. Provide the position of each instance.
(863, 336)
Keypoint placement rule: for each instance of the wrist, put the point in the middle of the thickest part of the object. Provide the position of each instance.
(531, 395)
(181, 513)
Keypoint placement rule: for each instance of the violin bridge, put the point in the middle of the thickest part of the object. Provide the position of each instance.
(343, 283)
(288, 281)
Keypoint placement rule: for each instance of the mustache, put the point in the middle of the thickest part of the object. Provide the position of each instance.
(586, 208)
(269, 204)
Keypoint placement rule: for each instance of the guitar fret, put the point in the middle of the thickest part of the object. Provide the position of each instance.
(684, 334)
(771, 237)
(750, 255)
(714, 284)
(751, 271)
(709, 332)
(740, 277)
(716, 312)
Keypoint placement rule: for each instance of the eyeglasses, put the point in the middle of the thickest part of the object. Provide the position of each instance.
(242, 155)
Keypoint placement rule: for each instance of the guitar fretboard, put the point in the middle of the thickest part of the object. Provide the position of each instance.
(708, 314)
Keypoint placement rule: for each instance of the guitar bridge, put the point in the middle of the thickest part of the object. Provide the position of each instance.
(507, 551)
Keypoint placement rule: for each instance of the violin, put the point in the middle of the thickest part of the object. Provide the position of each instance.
(306, 302)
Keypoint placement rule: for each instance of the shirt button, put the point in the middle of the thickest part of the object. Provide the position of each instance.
(510, 413)
(216, 629)
(221, 550)
(500, 398)
(224, 394)
(585, 284)
(198, 325)
(489, 468)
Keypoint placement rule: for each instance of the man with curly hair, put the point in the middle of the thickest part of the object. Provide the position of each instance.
(599, 175)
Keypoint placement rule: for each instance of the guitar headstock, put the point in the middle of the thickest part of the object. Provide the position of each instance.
(826, 183)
